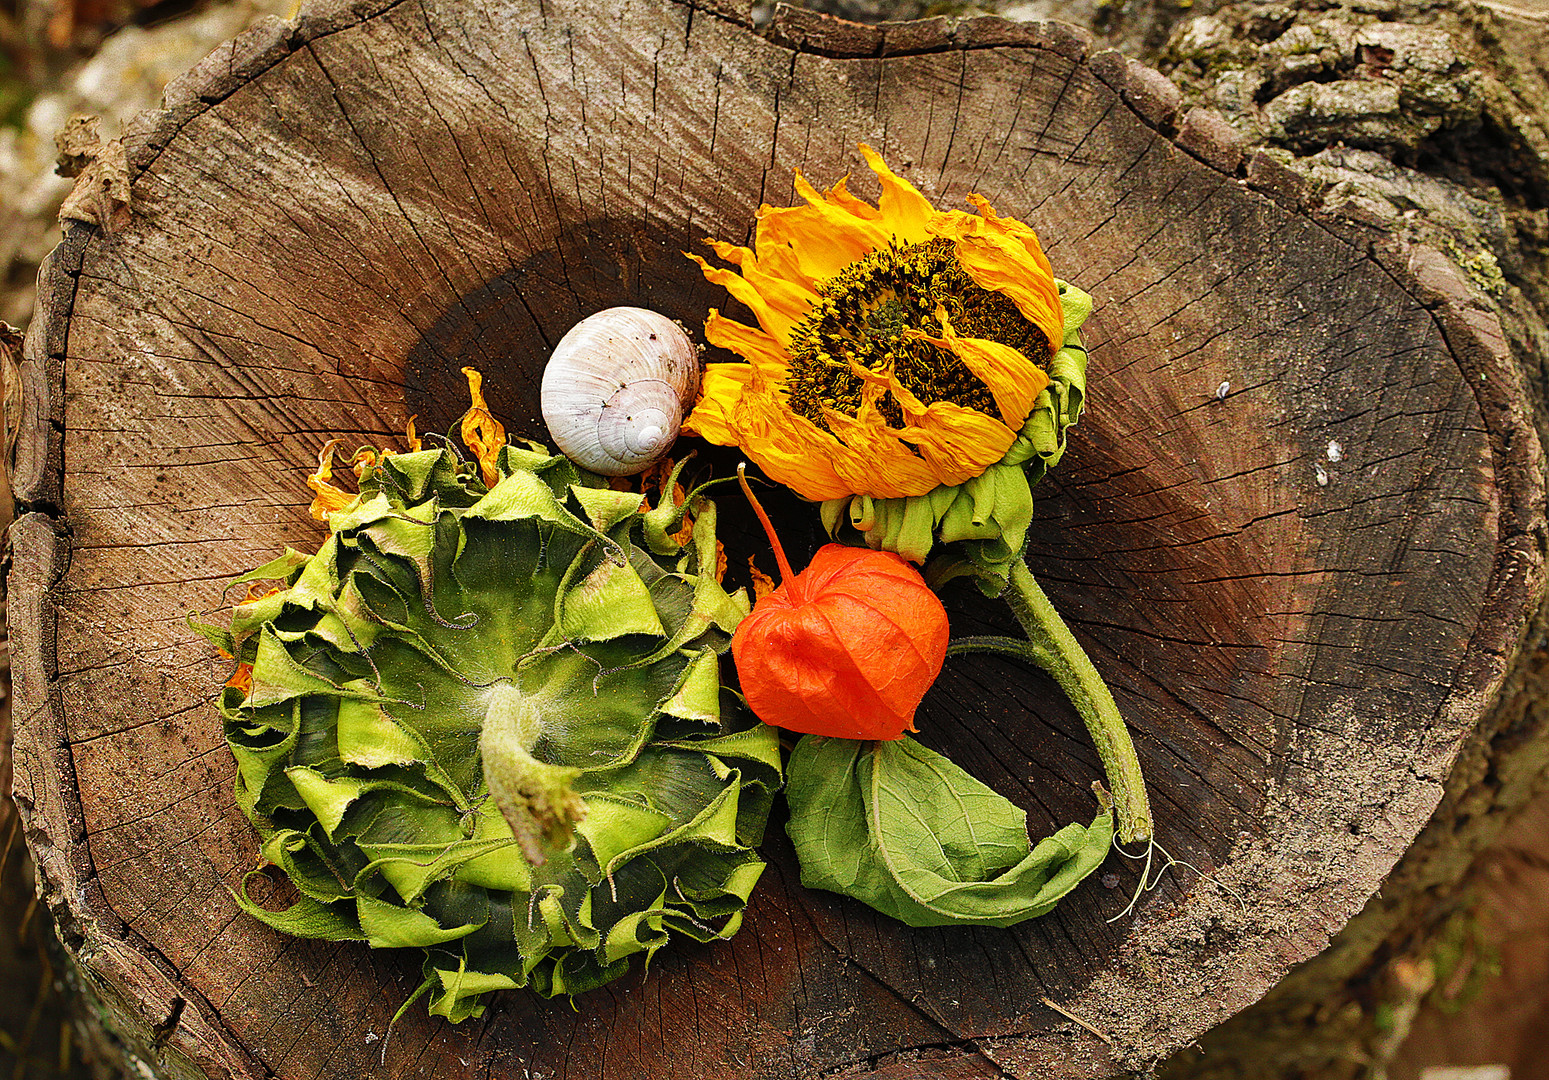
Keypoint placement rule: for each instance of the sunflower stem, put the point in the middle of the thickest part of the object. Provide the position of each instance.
(1052, 647)
(774, 541)
(537, 799)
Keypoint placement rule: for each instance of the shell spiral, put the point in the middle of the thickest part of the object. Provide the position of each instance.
(616, 388)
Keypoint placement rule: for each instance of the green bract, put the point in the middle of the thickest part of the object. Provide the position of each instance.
(986, 517)
(461, 675)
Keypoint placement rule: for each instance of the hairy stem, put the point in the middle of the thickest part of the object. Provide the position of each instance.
(1052, 647)
(536, 798)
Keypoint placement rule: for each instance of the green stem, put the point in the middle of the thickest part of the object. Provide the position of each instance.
(1052, 647)
(537, 799)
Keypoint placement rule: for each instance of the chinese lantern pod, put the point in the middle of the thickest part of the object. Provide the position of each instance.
(847, 648)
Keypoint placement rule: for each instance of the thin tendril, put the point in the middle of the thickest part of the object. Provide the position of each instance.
(404, 860)
(448, 443)
(466, 621)
(677, 887)
(364, 651)
(1147, 883)
(549, 650)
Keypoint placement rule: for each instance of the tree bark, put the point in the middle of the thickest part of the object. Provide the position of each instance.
(1300, 530)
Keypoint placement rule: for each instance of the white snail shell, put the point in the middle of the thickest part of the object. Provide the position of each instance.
(616, 388)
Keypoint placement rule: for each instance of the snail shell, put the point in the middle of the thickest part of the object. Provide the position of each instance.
(616, 389)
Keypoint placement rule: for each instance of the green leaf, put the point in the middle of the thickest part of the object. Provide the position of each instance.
(609, 602)
(415, 478)
(493, 868)
(614, 827)
(261, 747)
(305, 918)
(218, 636)
(282, 568)
(411, 869)
(390, 926)
(524, 496)
(370, 738)
(278, 676)
(698, 696)
(605, 507)
(903, 829)
(460, 991)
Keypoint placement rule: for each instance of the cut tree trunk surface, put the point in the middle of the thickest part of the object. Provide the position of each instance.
(1297, 530)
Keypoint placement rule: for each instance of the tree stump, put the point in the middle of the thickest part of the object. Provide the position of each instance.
(1299, 531)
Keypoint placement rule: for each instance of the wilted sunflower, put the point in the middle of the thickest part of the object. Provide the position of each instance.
(899, 348)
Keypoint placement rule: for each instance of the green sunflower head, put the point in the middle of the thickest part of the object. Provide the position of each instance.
(486, 720)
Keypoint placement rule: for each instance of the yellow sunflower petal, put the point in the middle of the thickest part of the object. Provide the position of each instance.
(791, 299)
(759, 349)
(713, 418)
(1003, 255)
(956, 443)
(325, 497)
(840, 195)
(905, 212)
(481, 432)
(873, 461)
(825, 236)
(783, 261)
(769, 317)
(877, 381)
(365, 458)
(1001, 264)
(791, 449)
(1013, 379)
(763, 584)
(1012, 227)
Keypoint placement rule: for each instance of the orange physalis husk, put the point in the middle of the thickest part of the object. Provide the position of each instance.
(847, 648)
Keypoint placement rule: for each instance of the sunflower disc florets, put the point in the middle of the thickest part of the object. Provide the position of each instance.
(881, 313)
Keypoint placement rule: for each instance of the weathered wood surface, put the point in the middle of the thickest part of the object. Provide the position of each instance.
(1306, 595)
